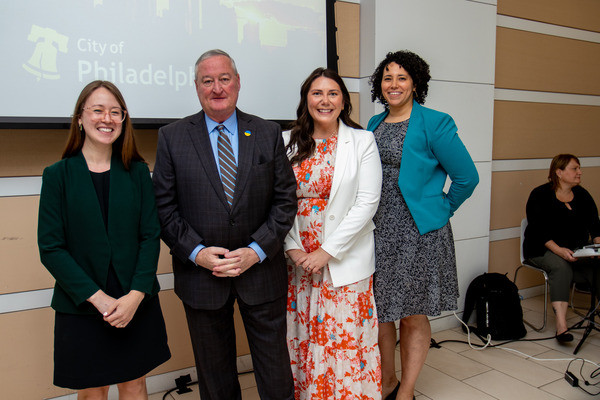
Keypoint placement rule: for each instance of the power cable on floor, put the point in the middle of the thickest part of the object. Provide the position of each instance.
(569, 376)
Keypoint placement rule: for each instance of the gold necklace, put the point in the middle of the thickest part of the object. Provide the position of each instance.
(327, 137)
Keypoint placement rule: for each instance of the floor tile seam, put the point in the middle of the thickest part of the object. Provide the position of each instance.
(460, 354)
(542, 388)
(516, 377)
(527, 356)
(526, 383)
(478, 374)
(457, 380)
(562, 364)
(529, 383)
(480, 390)
(461, 379)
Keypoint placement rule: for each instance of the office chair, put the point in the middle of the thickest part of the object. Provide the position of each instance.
(524, 263)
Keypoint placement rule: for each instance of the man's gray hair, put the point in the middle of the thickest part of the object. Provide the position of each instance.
(212, 53)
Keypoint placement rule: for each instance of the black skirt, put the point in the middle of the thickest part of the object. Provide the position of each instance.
(89, 352)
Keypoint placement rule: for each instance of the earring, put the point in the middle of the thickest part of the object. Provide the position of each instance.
(81, 127)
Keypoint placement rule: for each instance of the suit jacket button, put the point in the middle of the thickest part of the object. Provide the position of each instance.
(231, 222)
(332, 217)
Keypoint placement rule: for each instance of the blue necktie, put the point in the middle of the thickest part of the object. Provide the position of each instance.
(227, 164)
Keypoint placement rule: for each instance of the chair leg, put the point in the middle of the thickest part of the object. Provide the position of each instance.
(535, 328)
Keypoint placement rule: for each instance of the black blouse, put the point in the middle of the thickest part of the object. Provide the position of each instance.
(102, 185)
(550, 219)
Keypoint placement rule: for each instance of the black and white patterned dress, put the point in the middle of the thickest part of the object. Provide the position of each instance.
(414, 273)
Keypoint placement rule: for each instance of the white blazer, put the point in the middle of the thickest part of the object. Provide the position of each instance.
(348, 221)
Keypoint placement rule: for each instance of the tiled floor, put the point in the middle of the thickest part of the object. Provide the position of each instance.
(458, 372)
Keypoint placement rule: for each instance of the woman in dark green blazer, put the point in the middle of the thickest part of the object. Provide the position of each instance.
(98, 235)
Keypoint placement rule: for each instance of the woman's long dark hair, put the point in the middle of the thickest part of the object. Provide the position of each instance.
(301, 141)
(124, 145)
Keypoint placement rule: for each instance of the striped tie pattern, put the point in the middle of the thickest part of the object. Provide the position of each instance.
(227, 164)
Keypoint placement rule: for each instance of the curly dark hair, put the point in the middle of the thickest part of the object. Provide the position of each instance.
(301, 140)
(417, 68)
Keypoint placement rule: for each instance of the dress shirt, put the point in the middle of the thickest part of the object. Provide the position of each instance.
(231, 128)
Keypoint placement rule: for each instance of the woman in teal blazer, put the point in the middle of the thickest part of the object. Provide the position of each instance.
(415, 268)
(98, 235)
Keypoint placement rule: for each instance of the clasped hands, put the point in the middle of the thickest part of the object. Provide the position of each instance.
(224, 263)
(312, 262)
(117, 312)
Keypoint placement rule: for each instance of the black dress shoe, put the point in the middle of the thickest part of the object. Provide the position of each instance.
(564, 337)
(392, 396)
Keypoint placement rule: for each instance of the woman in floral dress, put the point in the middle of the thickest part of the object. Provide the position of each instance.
(332, 324)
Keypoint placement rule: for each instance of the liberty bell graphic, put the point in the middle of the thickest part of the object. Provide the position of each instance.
(48, 43)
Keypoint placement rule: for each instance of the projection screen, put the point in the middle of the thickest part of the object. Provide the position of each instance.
(53, 48)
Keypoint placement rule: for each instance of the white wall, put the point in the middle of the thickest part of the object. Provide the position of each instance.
(457, 38)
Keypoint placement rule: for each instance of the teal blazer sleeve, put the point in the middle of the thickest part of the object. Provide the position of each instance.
(74, 244)
(432, 152)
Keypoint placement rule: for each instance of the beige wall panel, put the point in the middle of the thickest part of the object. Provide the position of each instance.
(26, 355)
(347, 20)
(20, 266)
(542, 130)
(532, 61)
(504, 259)
(178, 335)
(590, 179)
(19, 256)
(165, 261)
(241, 341)
(146, 140)
(510, 191)
(580, 14)
(355, 101)
(26, 152)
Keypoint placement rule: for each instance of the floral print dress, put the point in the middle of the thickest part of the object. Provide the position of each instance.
(331, 331)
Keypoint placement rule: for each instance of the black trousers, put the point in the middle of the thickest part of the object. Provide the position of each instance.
(561, 273)
(213, 340)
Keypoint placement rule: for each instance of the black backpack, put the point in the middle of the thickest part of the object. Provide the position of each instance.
(497, 307)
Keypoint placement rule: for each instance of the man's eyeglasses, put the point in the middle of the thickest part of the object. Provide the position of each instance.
(116, 114)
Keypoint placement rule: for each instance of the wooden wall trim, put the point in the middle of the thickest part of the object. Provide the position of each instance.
(581, 14)
(532, 61)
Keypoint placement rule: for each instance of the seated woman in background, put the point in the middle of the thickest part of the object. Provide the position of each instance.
(562, 216)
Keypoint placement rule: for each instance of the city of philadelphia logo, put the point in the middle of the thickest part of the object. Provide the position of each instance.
(48, 43)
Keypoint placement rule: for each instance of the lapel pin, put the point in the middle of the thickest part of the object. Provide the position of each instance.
(247, 133)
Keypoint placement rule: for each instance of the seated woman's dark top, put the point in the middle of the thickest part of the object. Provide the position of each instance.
(550, 219)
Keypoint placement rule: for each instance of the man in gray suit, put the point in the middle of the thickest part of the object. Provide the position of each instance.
(226, 197)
